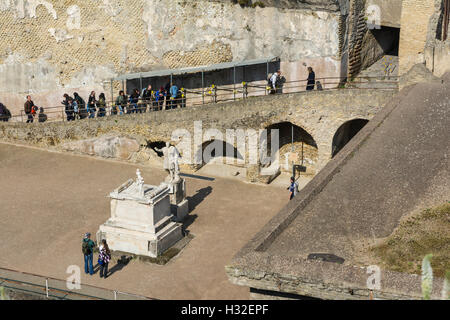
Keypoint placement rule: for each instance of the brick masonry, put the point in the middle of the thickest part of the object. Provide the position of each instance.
(320, 114)
(415, 19)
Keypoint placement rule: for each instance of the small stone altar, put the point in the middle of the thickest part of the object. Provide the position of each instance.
(141, 219)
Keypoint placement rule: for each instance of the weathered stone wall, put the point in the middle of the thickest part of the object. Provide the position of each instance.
(415, 19)
(391, 11)
(437, 49)
(368, 45)
(50, 47)
(320, 114)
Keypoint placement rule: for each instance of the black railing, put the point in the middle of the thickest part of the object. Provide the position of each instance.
(211, 94)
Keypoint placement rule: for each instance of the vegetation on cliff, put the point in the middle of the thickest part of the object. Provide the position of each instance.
(416, 237)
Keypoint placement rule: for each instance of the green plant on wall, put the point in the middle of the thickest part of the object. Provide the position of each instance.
(427, 280)
(446, 287)
(427, 277)
(3, 294)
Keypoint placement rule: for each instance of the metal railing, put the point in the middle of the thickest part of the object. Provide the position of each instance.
(51, 288)
(212, 94)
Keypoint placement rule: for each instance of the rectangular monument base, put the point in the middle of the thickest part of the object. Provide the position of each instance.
(181, 210)
(138, 242)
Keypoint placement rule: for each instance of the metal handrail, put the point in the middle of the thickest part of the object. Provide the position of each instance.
(215, 94)
(48, 290)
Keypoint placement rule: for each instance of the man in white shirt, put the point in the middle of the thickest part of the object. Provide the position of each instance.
(273, 81)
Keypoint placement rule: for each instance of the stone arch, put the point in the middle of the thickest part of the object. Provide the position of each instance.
(295, 145)
(153, 145)
(217, 151)
(345, 133)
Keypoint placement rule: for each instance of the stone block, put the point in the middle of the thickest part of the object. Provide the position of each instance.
(141, 220)
(177, 191)
(181, 210)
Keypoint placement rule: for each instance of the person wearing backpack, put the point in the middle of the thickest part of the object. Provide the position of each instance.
(104, 258)
(87, 247)
(91, 105)
(42, 116)
(101, 105)
(293, 188)
(3, 113)
(82, 112)
(121, 102)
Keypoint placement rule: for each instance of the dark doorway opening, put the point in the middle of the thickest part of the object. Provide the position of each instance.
(218, 149)
(346, 133)
(292, 140)
(388, 38)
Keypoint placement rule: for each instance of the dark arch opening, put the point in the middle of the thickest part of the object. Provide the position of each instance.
(345, 133)
(295, 139)
(290, 132)
(156, 145)
(209, 152)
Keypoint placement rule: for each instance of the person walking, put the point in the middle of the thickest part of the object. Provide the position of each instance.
(147, 98)
(67, 106)
(42, 115)
(159, 97)
(173, 96)
(121, 101)
(5, 114)
(28, 108)
(134, 100)
(87, 247)
(91, 105)
(82, 113)
(293, 188)
(73, 108)
(104, 258)
(311, 79)
(274, 80)
(101, 105)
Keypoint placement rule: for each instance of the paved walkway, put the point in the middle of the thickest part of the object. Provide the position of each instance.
(48, 200)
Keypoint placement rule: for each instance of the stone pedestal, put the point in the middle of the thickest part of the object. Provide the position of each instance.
(141, 220)
(180, 205)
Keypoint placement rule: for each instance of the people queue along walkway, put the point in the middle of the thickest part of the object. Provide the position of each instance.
(168, 97)
(149, 100)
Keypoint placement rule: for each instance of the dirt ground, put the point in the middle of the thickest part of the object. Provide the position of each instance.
(49, 200)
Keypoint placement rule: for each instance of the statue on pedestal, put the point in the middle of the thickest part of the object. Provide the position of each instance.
(171, 165)
(140, 183)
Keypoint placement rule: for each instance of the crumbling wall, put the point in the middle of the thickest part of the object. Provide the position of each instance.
(415, 19)
(50, 47)
(437, 49)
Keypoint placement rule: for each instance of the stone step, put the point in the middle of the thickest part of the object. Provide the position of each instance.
(162, 223)
(166, 230)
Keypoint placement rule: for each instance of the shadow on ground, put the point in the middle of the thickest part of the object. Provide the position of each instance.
(121, 263)
(194, 201)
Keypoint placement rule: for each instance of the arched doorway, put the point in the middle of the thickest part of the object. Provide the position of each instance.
(218, 151)
(345, 133)
(296, 146)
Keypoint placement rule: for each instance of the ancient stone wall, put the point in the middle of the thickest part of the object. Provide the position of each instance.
(320, 114)
(48, 48)
(437, 49)
(415, 19)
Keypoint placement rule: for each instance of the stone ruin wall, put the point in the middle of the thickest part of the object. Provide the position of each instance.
(418, 38)
(48, 47)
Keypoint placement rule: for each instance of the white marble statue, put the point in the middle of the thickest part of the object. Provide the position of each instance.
(170, 164)
(174, 168)
(140, 183)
